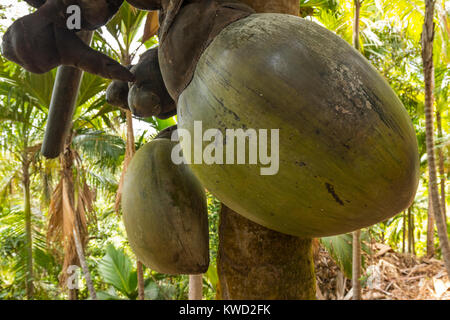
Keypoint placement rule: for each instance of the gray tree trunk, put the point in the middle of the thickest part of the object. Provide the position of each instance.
(404, 233)
(28, 229)
(430, 229)
(411, 242)
(257, 263)
(195, 287)
(441, 166)
(141, 283)
(356, 263)
(84, 266)
(428, 70)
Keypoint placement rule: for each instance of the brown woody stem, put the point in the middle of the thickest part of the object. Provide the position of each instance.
(62, 106)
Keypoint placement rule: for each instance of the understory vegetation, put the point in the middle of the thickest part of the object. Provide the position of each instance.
(35, 256)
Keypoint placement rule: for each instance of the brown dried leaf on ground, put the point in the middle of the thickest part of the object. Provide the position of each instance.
(388, 276)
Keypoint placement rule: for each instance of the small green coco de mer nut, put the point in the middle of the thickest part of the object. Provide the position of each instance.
(165, 212)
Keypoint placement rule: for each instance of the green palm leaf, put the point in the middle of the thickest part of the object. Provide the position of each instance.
(116, 269)
(340, 249)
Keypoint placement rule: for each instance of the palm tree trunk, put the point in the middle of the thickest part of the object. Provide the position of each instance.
(131, 148)
(428, 70)
(255, 262)
(409, 231)
(356, 261)
(413, 238)
(141, 283)
(356, 265)
(28, 230)
(195, 287)
(404, 232)
(441, 165)
(82, 258)
(129, 152)
(411, 248)
(73, 294)
(74, 235)
(356, 24)
(430, 229)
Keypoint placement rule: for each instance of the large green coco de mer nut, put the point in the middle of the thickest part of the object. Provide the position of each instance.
(348, 155)
(165, 212)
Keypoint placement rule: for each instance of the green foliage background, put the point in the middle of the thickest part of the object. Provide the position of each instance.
(390, 40)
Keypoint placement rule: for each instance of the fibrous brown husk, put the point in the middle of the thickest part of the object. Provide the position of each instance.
(69, 210)
(389, 276)
(148, 95)
(94, 14)
(278, 6)
(117, 93)
(146, 4)
(166, 133)
(187, 28)
(35, 3)
(40, 42)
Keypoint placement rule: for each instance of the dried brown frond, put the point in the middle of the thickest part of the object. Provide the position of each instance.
(55, 215)
(72, 201)
(86, 198)
(119, 190)
(129, 153)
(151, 25)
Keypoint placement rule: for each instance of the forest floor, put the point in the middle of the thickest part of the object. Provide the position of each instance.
(388, 276)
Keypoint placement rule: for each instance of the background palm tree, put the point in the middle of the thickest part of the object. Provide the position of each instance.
(21, 137)
(356, 272)
(428, 35)
(390, 38)
(72, 205)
